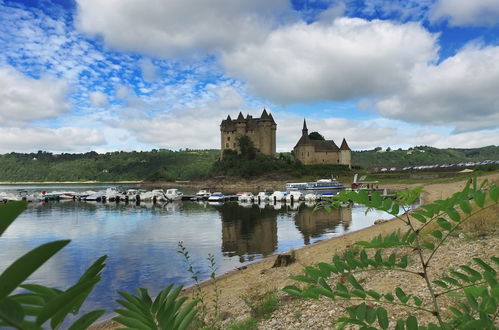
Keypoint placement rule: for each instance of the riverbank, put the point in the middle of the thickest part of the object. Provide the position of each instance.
(39, 183)
(257, 280)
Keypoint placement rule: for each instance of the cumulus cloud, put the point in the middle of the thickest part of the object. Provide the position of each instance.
(67, 139)
(461, 91)
(177, 27)
(149, 71)
(98, 99)
(24, 99)
(466, 12)
(347, 58)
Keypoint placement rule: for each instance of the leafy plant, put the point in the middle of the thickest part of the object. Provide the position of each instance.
(262, 306)
(475, 287)
(40, 304)
(165, 312)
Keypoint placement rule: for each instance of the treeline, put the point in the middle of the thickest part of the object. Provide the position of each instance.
(111, 166)
(421, 155)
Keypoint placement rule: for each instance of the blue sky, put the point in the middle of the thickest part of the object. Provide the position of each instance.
(113, 75)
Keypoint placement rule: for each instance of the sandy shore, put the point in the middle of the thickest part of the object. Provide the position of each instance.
(260, 278)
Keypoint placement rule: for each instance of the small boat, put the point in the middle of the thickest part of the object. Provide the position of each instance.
(203, 193)
(216, 197)
(174, 194)
(245, 197)
(262, 196)
(310, 197)
(98, 196)
(277, 196)
(324, 184)
(293, 196)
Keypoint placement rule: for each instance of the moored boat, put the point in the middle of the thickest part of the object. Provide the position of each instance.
(216, 197)
(173, 194)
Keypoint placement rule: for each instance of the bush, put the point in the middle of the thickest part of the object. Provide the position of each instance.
(476, 286)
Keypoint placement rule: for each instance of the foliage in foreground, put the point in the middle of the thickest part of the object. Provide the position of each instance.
(474, 287)
(38, 306)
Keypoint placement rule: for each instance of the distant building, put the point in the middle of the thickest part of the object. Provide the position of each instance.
(310, 152)
(262, 131)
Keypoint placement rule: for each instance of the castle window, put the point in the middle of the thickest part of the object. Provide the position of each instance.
(338, 160)
(226, 145)
(308, 154)
(234, 145)
(228, 138)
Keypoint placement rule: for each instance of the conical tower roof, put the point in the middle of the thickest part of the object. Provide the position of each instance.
(264, 115)
(344, 145)
(240, 117)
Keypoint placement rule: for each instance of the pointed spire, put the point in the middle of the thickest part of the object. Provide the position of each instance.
(344, 145)
(304, 131)
(271, 118)
(228, 117)
(264, 115)
(240, 116)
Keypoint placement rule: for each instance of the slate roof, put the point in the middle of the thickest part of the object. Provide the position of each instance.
(229, 124)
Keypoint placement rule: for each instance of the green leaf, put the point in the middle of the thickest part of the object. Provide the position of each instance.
(453, 214)
(444, 224)
(11, 311)
(389, 297)
(441, 284)
(302, 278)
(374, 294)
(354, 282)
(67, 298)
(428, 245)
(437, 234)
(484, 265)
(292, 290)
(450, 280)
(417, 301)
(418, 217)
(9, 212)
(465, 206)
(86, 320)
(479, 198)
(401, 295)
(23, 267)
(412, 323)
(382, 318)
(494, 193)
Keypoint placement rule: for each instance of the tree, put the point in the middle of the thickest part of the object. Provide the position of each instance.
(316, 136)
(246, 147)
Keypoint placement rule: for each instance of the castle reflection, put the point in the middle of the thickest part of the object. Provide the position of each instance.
(252, 230)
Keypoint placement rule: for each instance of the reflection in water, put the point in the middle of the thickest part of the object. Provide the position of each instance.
(141, 240)
(316, 223)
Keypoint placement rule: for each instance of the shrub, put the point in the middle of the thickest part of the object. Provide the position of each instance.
(475, 287)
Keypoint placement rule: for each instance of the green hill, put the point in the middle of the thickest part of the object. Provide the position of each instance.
(422, 155)
(111, 166)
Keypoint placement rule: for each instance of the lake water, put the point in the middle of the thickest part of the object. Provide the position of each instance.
(142, 241)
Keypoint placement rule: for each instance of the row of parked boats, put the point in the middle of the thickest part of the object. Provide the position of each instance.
(109, 194)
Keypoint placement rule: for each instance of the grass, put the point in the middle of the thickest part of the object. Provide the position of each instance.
(248, 324)
(262, 305)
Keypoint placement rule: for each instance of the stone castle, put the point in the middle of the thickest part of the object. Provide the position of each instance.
(312, 152)
(262, 131)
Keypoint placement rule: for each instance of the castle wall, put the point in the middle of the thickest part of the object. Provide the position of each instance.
(308, 156)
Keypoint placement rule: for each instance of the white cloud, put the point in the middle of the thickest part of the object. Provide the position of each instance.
(348, 58)
(24, 99)
(67, 139)
(149, 71)
(461, 91)
(178, 27)
(98, 99)
(466, 12)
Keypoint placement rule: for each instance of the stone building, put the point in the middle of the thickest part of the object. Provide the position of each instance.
(311, 152)
(262, 131)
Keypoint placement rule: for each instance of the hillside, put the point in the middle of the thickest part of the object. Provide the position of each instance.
(111, 166)
(422, 156)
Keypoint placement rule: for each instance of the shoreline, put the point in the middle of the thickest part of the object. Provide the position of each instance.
(259, 277)
(64, 182)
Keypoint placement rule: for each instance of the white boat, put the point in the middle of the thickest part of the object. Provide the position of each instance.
(277, 196)
(174, 194)
(203, 193)
(84, 194)
(132, 195)
(310, 197)
(322, 184)
(246, 197)
(112, 194)
(97, 196)
(7, 197)
(262, 196)
(293, 196)
(216, 197)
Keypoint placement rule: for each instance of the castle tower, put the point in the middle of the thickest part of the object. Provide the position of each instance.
(345, 154)
(261, 131)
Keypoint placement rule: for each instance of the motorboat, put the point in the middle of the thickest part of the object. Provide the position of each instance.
(277, 196)
(246, 197)
(203, 193)
(216, 197)
(294, 196)
(173, 194)
(324, 184)
(98, 196)
(262, 196)
(310, 197)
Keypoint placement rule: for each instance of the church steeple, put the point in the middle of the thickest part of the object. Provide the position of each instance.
(304, 131)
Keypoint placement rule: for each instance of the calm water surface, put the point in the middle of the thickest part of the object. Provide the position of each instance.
(142, 241)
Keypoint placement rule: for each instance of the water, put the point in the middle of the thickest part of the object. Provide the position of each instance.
(142, 241)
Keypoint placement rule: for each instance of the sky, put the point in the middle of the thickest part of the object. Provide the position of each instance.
(111, 75)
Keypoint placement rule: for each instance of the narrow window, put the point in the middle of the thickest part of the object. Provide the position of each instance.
(226, 145)
(228, 138)
(234, 145)
(308, 154)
